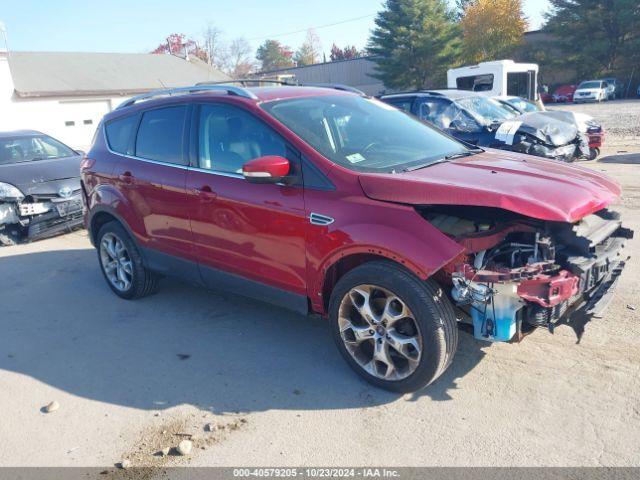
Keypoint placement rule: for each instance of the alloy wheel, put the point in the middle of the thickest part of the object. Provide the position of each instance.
(116, 263)
(380, 332)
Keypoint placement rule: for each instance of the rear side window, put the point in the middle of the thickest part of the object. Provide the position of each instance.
(119, 134)
(161, 133)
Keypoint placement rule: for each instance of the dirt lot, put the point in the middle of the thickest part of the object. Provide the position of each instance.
(134, 377)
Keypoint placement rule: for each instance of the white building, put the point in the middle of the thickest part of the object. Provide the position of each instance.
(66, 94)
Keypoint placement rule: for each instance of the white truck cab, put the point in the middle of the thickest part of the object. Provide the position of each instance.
(497, 78)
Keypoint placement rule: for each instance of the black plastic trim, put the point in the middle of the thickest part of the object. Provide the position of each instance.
(219, 280)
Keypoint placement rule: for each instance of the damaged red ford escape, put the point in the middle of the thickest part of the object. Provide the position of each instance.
(325, 201)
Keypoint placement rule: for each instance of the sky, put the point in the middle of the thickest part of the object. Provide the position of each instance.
(139, 26)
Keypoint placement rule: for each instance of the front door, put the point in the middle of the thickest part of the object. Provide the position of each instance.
(244, 231)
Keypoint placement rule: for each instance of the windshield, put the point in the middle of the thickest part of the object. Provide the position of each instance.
(364, 134)
(486, 110)
(31, 148)
(523, 105)
(590, 85)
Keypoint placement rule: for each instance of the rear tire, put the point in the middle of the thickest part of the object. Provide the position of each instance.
(418, 336)
(121, 263)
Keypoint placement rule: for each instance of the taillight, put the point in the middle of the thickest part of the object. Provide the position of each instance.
(86, 163)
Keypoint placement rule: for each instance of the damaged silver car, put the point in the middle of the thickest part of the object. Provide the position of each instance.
(39, 187)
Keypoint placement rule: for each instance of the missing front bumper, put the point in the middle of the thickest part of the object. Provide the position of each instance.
(36, 220)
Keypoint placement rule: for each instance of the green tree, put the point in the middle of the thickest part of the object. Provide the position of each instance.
(273, 55)
(414, 43)
(598, 36)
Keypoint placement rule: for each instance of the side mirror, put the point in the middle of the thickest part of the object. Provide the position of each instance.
(268, 169)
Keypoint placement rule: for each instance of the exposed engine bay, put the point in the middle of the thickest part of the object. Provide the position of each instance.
(517, 273)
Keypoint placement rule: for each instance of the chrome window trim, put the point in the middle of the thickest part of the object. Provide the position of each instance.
(168, 164)
(217, 172)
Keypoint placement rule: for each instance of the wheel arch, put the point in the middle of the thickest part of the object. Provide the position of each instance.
(101, 215)
(345, 263)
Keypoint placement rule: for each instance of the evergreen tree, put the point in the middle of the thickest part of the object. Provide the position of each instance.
(599, 36)
(414, 43)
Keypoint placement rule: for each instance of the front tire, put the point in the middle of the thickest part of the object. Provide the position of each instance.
(122, 265)
(396, 331)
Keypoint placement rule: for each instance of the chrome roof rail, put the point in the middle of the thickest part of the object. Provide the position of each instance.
(244, 81)
(230, 89)
(335, 86)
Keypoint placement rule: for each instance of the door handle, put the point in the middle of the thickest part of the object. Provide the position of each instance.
(205, 193)
(126, 177)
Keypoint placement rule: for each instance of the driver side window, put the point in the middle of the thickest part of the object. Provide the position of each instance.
(229, 137)
(463, 122)
(436, 111)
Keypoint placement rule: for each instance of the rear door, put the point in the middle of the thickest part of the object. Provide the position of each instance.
(151, 174)
(245, 231)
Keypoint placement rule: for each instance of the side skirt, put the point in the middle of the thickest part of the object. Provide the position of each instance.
(220, 280)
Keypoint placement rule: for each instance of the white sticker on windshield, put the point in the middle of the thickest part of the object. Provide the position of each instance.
(355, 158)
(507, 131)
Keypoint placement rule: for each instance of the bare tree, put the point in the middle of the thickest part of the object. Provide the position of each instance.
(214, 46)
(239, 61)
(310, 51)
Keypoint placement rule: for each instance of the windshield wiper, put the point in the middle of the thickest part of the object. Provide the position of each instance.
(463, 154)
(453, 156)
(423, 165)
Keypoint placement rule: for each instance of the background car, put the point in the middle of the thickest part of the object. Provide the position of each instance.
(564, 94)
(615, 88)
(39, 186)
(591, 91)
(484, 122)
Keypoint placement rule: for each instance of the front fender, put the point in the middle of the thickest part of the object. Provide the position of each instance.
(402, 236)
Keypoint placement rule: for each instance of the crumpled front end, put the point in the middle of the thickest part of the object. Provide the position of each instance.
(545, 135)
(39, 216)
(518, 273)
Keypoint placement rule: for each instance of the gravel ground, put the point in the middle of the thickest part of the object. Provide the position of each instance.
(621, 121)
(133, 378)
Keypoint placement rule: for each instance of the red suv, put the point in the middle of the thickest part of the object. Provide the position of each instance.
(325, 201)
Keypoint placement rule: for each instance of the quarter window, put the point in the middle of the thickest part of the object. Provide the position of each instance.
(119, 134)
(161, 133)
(230, 137)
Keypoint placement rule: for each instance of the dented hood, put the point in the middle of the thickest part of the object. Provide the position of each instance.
(528, 185)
